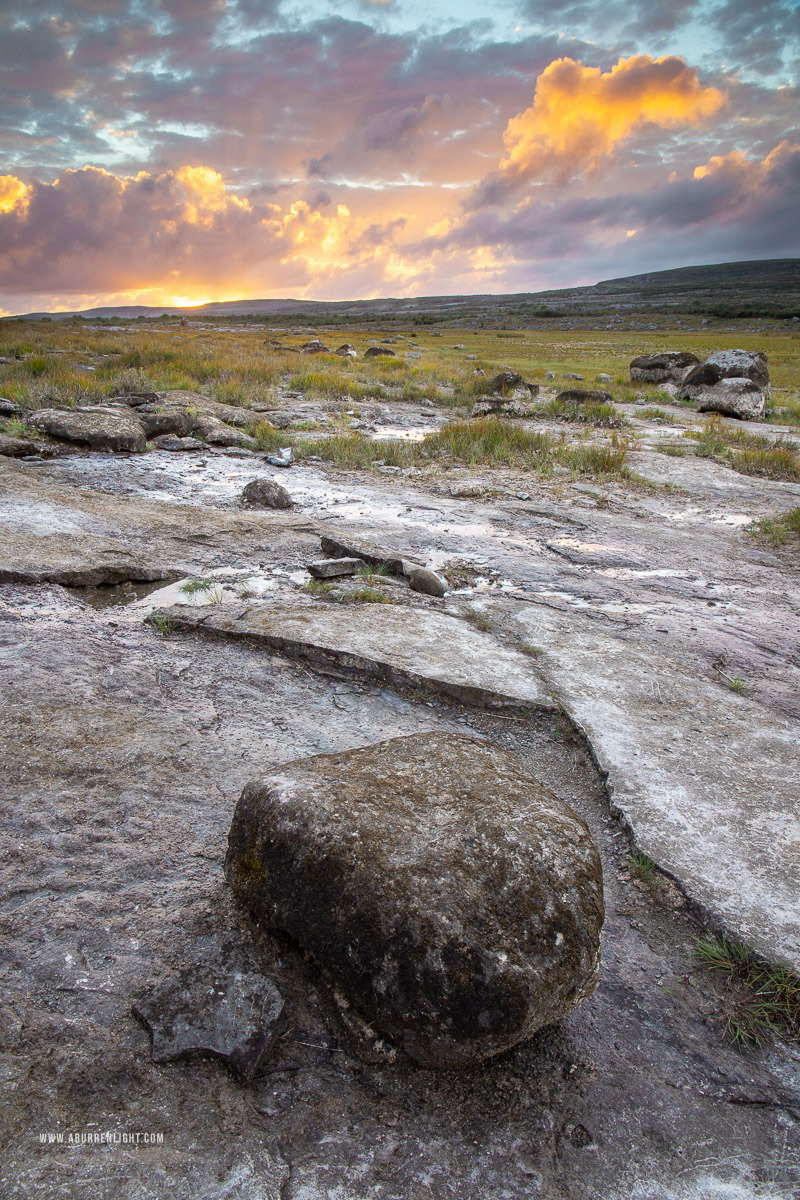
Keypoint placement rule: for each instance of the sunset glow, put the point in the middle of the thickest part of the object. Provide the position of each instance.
(231, 150)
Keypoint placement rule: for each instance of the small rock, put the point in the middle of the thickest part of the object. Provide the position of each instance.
(549, 374)
(176, 421)
(280, 420)
(218, 433)
(8, 408)
(330, 568)
(421, 579)
(471, 357)
(377, 351)
(315, 346)
(478, 373)
(571, 375)
(266, 493)
(458, 346)
(346, 351)
(14, 447)
(603, 378)
(506, 382)
(235, 1015)
(575, 396)
(178, 445)
(283, 458)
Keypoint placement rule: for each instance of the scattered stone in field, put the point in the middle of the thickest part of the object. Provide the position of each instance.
(377, 351)
(478, 373)
(176, 421)
(459, 346)
(453, 899)
(330, 568)
(178, 445)
(467, 491)
(346, 351)
(471, 357)
(218, 433)
(486, 406)
(235, 1015)
(508, 383)
(283, 457)
(549, 374)
(603, 378)
(421, 579)
(266, 493)
(571, 375)
(733, 382)
(315, 346)
(578, 396)
(280, 420)
(8, 408)
(740, 398)
(368, 552)
(98, 426)
(669, 365)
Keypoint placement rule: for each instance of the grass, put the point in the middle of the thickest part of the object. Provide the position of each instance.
(477, 618)
(531, 650)
(642, 867)
(736, 684)
(763, 1000)
(672, 449)
(748, 453)
(779, 530)
(589, 413)
(15, 427)
(161, 624)
(359, 595)
(658, 414)
(191, 586)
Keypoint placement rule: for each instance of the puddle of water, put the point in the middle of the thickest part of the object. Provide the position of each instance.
(413, 433)
(117, 595)
(219, 587)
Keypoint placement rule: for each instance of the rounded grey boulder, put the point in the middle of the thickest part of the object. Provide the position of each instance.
(452, 899)
(266, 493)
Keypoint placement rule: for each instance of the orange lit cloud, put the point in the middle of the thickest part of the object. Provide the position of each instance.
(581, 114)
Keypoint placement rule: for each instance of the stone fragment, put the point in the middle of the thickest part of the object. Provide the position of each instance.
(507, 382)
(98, 426)
(280, 420)
(578, 396)
(329, 568)
(603, 378)
(14, 447)
(422, 579)
(8, 408)
(377, 351)
(345, 546)
(136, 399)
(668, 366)
(282, 457)
(571, 375)
(315, 346)
(346, 351)
(218, 433)
(178, 445)
(266, 493)
(176, 421)
(452, 899)
(233, 1014)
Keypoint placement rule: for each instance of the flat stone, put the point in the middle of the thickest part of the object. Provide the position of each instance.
(402, 646)
(266, 493)
(212, 1008)
(578, 396)
(329, 568)
(176, 421)
(452, 898)
(14, 447)
(377, 351)
(706, 780)
(101, 427)
(218, 433)
(8, 408)
(347, 546)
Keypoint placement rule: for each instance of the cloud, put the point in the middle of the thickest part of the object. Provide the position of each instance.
(388, 129)
(581, 114)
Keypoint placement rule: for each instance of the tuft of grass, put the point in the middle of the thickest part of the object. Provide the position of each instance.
(197, 584)
(658, 414)
(161, 624)
(372, 573)
(599, 415)
(748, 453)
(764, 1001)
(530, 649)
(477, 618)
(671, 448)
(642, 867)
(737, 685)
(778, 529)
(365, 595)
(16, 427)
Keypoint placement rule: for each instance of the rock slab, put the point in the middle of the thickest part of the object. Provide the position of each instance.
(235, 1015)
(102, 428)
(453, 899)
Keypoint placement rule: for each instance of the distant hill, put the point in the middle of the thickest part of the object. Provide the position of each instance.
(763, 288)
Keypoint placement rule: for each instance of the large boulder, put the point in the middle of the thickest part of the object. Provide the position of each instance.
(98, 426)
(739, 398)
(668, 366)
(511, 383)
(453, 901)
(720, 383)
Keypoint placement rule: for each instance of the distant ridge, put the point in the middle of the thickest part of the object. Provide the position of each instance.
(763, 287)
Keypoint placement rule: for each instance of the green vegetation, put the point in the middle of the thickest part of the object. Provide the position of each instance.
(589, 413)
(779, 530)
(477, 618)
(642, 867)
(762, 1001)
(748, 453)
(658, 414)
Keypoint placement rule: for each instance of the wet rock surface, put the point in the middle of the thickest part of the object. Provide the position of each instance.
(453, 899)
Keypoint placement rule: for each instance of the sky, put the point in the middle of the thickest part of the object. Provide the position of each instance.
(179, 151)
